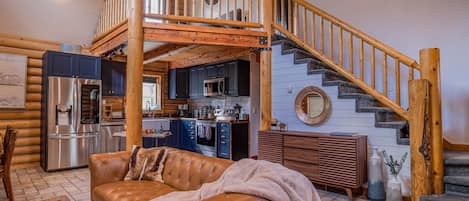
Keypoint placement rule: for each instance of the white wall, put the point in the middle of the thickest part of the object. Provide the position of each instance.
(70, 21)
(343, 117)
(411, 25)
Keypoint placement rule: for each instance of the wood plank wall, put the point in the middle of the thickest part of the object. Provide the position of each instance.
(26, 121)
(161, 69)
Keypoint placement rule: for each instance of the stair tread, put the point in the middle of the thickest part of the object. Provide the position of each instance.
(456, 158)
(444, 197)
(375, 108)
(458, 180)
(393, 122)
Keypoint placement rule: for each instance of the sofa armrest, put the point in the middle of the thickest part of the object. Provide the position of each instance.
(234, 197)
(108, 167)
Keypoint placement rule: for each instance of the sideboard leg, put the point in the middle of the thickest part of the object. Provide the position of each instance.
(349, 193)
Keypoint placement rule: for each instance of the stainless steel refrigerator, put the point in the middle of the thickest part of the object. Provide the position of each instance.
(73, 122)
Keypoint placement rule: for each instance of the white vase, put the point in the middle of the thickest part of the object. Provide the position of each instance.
(393, 192)
(375, 177)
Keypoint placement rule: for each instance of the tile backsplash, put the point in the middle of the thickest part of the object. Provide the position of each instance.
(225, 103)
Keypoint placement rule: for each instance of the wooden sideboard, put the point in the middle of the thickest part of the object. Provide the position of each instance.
(331, 160)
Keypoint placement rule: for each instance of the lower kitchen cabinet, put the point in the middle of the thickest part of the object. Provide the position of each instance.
(187, 135)
(233, 140)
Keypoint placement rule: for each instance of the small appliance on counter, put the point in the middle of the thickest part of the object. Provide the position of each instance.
(183, 110)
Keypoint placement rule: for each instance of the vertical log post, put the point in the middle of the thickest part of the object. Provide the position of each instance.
(430, 64)
(420, 166)
(266, 71)
(134, 74)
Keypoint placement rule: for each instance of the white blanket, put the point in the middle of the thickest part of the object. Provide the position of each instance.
(263, 179)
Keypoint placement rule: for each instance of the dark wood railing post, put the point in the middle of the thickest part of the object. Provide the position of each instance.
(430, 70)
(266, 71)
(134, 77)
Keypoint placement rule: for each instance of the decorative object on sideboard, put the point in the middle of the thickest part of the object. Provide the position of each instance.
(12, 81)
(277, 125)
(375, 177)
(312, 105)
(393, 192)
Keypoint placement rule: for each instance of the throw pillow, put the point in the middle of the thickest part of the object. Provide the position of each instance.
(146, 164)
(153, 170)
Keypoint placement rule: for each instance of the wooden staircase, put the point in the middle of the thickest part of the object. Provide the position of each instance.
(384, 116)
(402, 93)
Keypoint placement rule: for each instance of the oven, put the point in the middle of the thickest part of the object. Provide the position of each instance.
(206, 132)
(214, 87)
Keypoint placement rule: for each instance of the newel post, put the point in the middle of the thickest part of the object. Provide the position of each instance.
(266, 71)
(420, 163)
(134, 75)
(430, 70)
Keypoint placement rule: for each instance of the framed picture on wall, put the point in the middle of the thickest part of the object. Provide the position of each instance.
(12, 81)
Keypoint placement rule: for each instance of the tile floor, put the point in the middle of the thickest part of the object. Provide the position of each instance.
(34, 185)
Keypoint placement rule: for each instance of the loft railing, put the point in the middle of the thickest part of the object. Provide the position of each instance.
(364, 60)
(113, 14)
(231, 13)
(236, 13)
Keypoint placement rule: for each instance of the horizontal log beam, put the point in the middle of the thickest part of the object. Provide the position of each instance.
(36, 54)
(174, 33)
(27, 141)
(33, 149)
(27, 44)
(25, 165)
(164, 51)
(211, 57)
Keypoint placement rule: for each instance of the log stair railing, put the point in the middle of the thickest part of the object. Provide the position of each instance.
(410, 89)
(349, 51)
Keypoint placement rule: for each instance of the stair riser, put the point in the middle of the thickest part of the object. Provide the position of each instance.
(457, 170)
(453, 188)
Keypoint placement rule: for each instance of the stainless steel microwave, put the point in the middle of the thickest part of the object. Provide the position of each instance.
(214, 87)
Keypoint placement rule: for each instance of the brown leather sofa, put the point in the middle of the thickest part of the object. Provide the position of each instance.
(183, 171)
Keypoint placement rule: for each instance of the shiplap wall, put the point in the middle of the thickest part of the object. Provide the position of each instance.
(26, 121)
(286, 75)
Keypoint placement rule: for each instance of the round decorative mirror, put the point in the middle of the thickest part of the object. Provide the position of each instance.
(312, 105)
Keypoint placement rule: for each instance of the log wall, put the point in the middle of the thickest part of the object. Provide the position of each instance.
(26, 121)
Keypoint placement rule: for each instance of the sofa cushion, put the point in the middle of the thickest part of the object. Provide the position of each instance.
(130, 191)
(146, 164)
(188, 171)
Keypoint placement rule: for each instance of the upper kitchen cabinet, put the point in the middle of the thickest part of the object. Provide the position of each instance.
(197, 77)
(72, 65)
(113, 78)
(237, 75)
(178, 83)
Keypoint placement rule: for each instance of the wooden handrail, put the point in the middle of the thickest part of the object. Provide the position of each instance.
(380, 97)
(204, 20)
(360, 34)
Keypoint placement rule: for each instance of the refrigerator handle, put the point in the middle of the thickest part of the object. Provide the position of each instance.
(76, 95)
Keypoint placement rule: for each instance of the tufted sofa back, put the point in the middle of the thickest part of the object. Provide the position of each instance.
(188, 171)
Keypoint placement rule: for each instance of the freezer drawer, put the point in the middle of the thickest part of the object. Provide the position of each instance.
(71, 150)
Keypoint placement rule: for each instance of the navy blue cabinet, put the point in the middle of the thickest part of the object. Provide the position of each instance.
(178, 83)
(224, 140)
(72, 65)
(187, 138)
(172, 140)
(113, 78)
(233, 140)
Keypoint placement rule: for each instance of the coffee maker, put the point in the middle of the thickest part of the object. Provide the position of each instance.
(183, 110)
